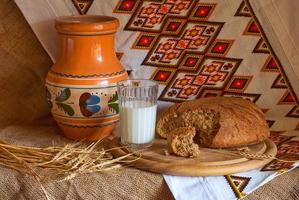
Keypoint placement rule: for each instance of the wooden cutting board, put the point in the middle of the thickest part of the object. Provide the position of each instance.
(209, 163)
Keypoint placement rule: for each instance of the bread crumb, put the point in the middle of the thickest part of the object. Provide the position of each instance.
(180, 142)
(166, 153)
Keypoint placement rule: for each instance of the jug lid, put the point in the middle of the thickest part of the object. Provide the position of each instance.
(86, 24)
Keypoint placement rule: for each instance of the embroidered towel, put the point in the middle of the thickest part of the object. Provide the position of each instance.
(238, 185)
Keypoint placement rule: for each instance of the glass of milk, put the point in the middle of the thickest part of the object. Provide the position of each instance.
(137, 108)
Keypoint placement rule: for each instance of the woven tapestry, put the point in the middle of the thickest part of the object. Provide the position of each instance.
(194, 49)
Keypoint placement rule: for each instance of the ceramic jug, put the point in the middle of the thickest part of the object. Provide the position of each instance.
(81, 85)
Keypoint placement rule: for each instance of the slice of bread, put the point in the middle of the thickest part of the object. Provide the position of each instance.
(180, 142)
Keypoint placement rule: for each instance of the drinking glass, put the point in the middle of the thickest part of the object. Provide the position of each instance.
(137, 108)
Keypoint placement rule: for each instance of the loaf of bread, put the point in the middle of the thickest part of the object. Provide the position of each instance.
(180, 142)
(220, 122)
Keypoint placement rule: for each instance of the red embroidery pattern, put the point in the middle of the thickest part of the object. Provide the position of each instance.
(278, 137)
(211, 73)
(191, 57)
(276, 165)
(287, 149)
(82, 6)
(237, 184)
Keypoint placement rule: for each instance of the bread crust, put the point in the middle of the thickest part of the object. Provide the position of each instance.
(241, 121)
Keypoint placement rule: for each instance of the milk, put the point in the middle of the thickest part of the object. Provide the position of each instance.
(137, 122)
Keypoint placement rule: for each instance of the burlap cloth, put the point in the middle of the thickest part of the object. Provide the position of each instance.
(24, 119)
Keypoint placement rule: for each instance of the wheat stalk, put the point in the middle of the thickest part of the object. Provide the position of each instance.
(67, 161)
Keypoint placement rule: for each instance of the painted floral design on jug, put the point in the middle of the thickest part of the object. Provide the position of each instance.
(113, 103)
(60, 102)
(89, 104)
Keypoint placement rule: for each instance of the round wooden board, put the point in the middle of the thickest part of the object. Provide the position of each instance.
(209, 163)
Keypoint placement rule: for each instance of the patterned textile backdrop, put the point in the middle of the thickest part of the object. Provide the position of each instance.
(199, 49)
(193, 48)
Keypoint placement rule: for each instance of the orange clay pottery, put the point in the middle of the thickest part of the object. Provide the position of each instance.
(81, 85)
